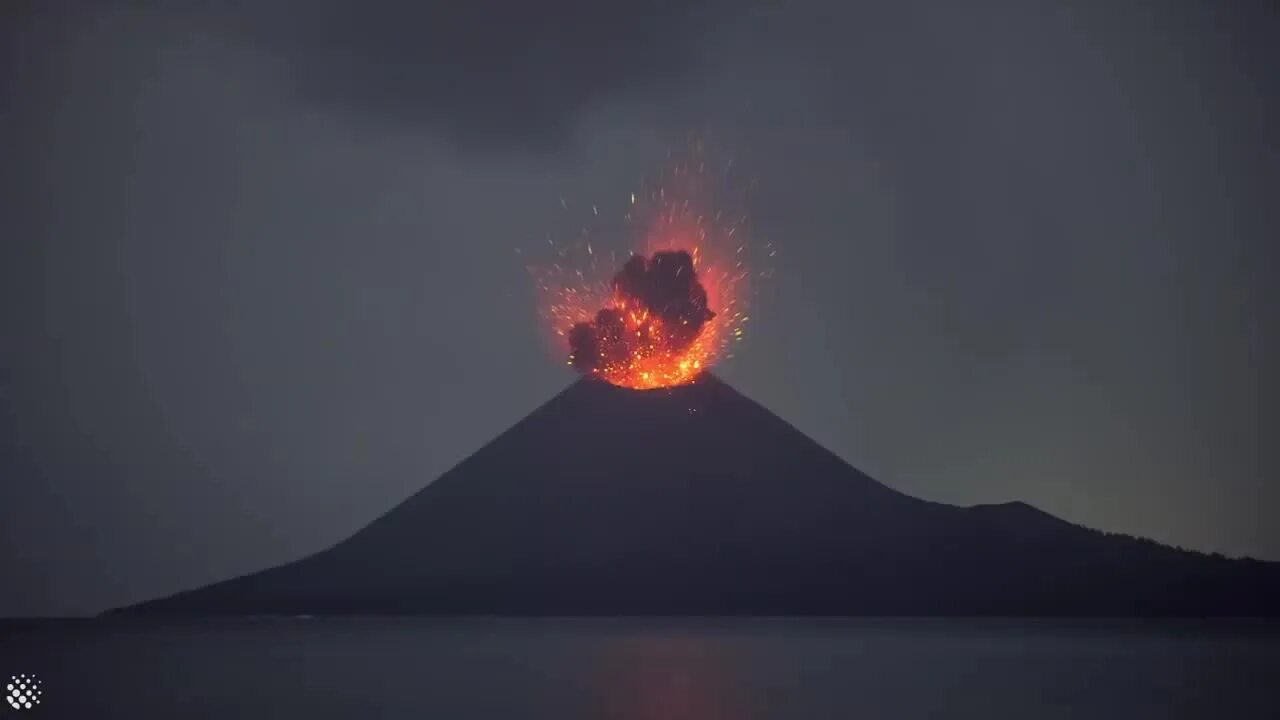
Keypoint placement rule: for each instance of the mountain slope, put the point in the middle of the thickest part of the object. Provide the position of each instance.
(696, 500)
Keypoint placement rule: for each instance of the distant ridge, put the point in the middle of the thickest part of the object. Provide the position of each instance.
(696, 500)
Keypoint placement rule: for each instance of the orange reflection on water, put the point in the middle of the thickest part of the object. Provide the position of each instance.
(666, 678)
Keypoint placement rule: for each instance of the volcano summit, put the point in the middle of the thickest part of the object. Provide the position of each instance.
(694, 500)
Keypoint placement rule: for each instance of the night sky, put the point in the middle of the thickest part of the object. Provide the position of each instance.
(258, 279)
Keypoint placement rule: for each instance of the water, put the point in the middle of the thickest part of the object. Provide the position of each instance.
(640, 669)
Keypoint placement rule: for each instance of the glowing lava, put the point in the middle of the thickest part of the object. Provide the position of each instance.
(670, 311)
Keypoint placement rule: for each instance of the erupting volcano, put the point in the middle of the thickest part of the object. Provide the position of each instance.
(651, 335)
(671, 309)
(696, 500)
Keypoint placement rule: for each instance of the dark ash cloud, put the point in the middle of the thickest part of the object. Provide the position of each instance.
(490, 73)
(665, 285)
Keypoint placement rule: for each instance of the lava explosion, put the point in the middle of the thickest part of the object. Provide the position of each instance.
(642, 339)
(669, 311)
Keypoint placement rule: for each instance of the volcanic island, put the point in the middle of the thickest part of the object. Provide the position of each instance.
(651, 487)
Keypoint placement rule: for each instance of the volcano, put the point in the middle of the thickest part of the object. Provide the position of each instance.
(695, 500)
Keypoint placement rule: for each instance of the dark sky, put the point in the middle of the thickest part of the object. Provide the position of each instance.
(258, 280)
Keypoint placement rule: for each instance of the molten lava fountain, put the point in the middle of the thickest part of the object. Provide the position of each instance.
(671, 310)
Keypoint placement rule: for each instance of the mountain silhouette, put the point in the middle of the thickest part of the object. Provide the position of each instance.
(695, 500)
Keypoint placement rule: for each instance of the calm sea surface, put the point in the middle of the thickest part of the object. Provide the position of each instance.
(647, 669)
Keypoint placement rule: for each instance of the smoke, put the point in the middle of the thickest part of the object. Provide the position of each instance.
(663, 309)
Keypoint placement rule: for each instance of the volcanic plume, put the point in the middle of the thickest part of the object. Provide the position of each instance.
(669, 309)
(642, 339)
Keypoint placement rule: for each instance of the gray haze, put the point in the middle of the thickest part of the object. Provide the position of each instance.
(258, 279)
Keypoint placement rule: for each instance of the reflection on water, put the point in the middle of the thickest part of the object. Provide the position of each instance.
(649, 669)
(666, 677)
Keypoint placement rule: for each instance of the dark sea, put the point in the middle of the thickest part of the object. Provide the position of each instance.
(651, 669)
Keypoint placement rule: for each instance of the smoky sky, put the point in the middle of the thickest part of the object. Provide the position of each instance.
(259, 278)
(486, 75)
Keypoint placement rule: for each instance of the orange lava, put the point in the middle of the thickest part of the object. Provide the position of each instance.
(658, 356)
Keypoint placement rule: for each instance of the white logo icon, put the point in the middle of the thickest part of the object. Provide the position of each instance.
(23, 692)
